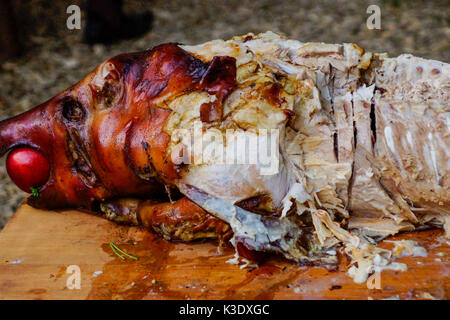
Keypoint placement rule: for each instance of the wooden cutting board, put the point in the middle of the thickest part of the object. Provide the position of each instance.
(38, 247)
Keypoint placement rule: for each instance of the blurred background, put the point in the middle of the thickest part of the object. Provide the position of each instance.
(40, 56)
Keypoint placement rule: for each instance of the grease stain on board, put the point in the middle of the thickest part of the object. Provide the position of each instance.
(168, 270)
(132, 279)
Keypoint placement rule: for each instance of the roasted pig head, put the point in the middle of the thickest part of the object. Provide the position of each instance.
(103, 137)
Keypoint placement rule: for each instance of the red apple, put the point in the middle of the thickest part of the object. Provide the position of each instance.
(27, 168)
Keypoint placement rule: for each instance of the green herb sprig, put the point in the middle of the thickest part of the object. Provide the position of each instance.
(116, 250)
(34, 192)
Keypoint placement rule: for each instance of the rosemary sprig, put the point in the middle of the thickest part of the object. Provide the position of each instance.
(116, 250)
(34, 191)
(111, 245)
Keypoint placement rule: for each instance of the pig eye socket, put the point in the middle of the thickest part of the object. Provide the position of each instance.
(72, 110)
(109, 94)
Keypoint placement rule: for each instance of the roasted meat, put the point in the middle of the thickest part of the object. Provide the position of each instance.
(277, 145)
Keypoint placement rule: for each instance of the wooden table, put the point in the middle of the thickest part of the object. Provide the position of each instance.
(38, 247)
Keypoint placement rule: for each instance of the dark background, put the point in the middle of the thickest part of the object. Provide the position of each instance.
(53, 57)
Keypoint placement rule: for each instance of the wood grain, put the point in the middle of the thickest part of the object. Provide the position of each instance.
(37, 247)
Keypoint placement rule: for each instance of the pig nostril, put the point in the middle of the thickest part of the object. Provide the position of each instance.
(27, 168)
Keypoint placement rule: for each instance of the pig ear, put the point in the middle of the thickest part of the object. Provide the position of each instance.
(220, 75)
(219, 80)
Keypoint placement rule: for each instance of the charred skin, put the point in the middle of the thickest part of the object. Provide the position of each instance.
(104, 138)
